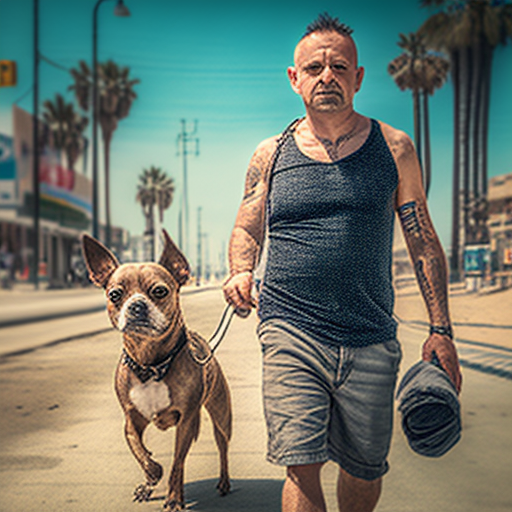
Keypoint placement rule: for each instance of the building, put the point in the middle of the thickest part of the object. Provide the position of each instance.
(65, 209)
(500, 223)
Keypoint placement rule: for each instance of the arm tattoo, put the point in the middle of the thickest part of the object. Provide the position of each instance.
(251, 181)
(247, 236)
(428, 259)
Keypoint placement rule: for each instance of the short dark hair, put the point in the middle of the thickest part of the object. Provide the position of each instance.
(326, 23)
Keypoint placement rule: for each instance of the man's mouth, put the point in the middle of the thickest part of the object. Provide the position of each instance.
(328, 93)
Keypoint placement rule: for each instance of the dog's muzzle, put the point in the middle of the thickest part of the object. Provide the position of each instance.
(138, 310)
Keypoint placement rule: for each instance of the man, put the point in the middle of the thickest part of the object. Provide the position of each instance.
(330, 354)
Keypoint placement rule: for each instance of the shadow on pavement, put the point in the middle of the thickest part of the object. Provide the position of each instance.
(248, 495)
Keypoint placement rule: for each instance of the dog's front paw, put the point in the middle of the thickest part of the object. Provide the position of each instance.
(173, 506)
(142, 492)
(154, 472)
(223, 486)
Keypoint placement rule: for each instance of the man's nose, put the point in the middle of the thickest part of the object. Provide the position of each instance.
(327, 75)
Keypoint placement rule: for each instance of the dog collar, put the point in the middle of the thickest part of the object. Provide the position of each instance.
(156, 372)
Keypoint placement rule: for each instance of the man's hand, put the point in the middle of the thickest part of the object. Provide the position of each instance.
(446, 353)
(237, 292)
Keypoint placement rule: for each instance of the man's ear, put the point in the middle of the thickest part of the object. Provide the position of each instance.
(292, 76)
(174, 260)
(100, 262)
(359, 78)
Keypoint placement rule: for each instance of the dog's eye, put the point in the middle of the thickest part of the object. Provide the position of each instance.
(115, 295)
(159, 292)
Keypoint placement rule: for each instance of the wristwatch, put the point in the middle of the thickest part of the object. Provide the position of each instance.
(443, 330)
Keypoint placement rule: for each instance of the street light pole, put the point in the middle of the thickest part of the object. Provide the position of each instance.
(35, 151)
(120, 10)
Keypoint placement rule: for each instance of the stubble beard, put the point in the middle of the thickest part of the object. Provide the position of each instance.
(333, 102)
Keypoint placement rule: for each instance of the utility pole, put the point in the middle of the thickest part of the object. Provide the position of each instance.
(206, 265)
(184, 138)
(199, 248)
(35, 151)
(222, 261)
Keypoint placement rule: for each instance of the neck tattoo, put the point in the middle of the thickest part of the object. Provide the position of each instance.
(334, 148)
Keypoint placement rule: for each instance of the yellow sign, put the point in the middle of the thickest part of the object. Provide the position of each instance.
(7, 73)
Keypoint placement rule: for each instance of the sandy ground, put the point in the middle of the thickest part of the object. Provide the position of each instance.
(485, 317)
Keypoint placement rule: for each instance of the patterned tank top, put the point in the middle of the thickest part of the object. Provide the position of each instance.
(330, 234)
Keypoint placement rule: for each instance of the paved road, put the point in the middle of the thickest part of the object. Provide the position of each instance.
(62, 447)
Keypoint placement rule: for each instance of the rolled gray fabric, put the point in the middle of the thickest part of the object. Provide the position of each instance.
(430, 409)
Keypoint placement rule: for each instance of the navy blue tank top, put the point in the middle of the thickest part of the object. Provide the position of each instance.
(330, 234)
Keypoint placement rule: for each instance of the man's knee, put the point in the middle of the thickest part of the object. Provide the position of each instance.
(304, 473)
(354, 481)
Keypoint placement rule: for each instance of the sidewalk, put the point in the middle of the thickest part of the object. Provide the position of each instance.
(63, 448)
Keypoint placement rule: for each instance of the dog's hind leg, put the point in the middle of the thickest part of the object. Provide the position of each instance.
(135, 425)
(218, 405)
(186, 432)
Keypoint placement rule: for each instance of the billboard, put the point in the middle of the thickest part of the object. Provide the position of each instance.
(59, 186)
(476, 259)
(8, 184)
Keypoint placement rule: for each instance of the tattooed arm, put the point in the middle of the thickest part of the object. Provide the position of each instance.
(425, 251)
(247, 235)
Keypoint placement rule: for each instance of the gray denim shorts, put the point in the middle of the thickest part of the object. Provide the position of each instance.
(324, 402)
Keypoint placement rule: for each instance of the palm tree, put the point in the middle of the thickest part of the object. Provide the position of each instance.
(155, 189)
(116, 95)
(66, 127)
(406, 72)
(422, 72)
(468, 31)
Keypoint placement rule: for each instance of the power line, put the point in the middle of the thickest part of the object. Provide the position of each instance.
(30, 89)
(53, 63)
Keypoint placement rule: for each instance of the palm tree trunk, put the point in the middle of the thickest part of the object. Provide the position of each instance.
(417, 122)
(476, 113)
(465, 118)
(426, 150)
(454, 256)
(107, 139)
(485, 106)
(152, 231)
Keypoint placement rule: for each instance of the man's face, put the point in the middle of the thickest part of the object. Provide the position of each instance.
(325, 74)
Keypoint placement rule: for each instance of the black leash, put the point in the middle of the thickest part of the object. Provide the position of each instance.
(220, 333)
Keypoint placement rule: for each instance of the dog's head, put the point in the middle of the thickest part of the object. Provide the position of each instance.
(142, 298)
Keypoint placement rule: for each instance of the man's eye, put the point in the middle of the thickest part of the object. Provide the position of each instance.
(314, 69)
(115, 295)
(338, 67)
(159, 292)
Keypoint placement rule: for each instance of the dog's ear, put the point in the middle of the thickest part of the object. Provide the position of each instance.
(100, 262)
(174, 261)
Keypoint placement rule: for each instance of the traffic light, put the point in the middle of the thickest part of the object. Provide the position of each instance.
(7, 73)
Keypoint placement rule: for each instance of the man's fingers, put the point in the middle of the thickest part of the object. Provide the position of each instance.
(447, 356)
(238, 298)
(451, 368)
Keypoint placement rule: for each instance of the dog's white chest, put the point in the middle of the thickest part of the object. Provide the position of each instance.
(150, 397)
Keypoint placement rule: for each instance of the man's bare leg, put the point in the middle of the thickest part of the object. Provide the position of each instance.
(357, 495)
(302, 491)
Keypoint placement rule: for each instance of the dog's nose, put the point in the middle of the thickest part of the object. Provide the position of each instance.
(138, 309)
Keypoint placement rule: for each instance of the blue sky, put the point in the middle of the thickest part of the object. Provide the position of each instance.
(224, 64)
